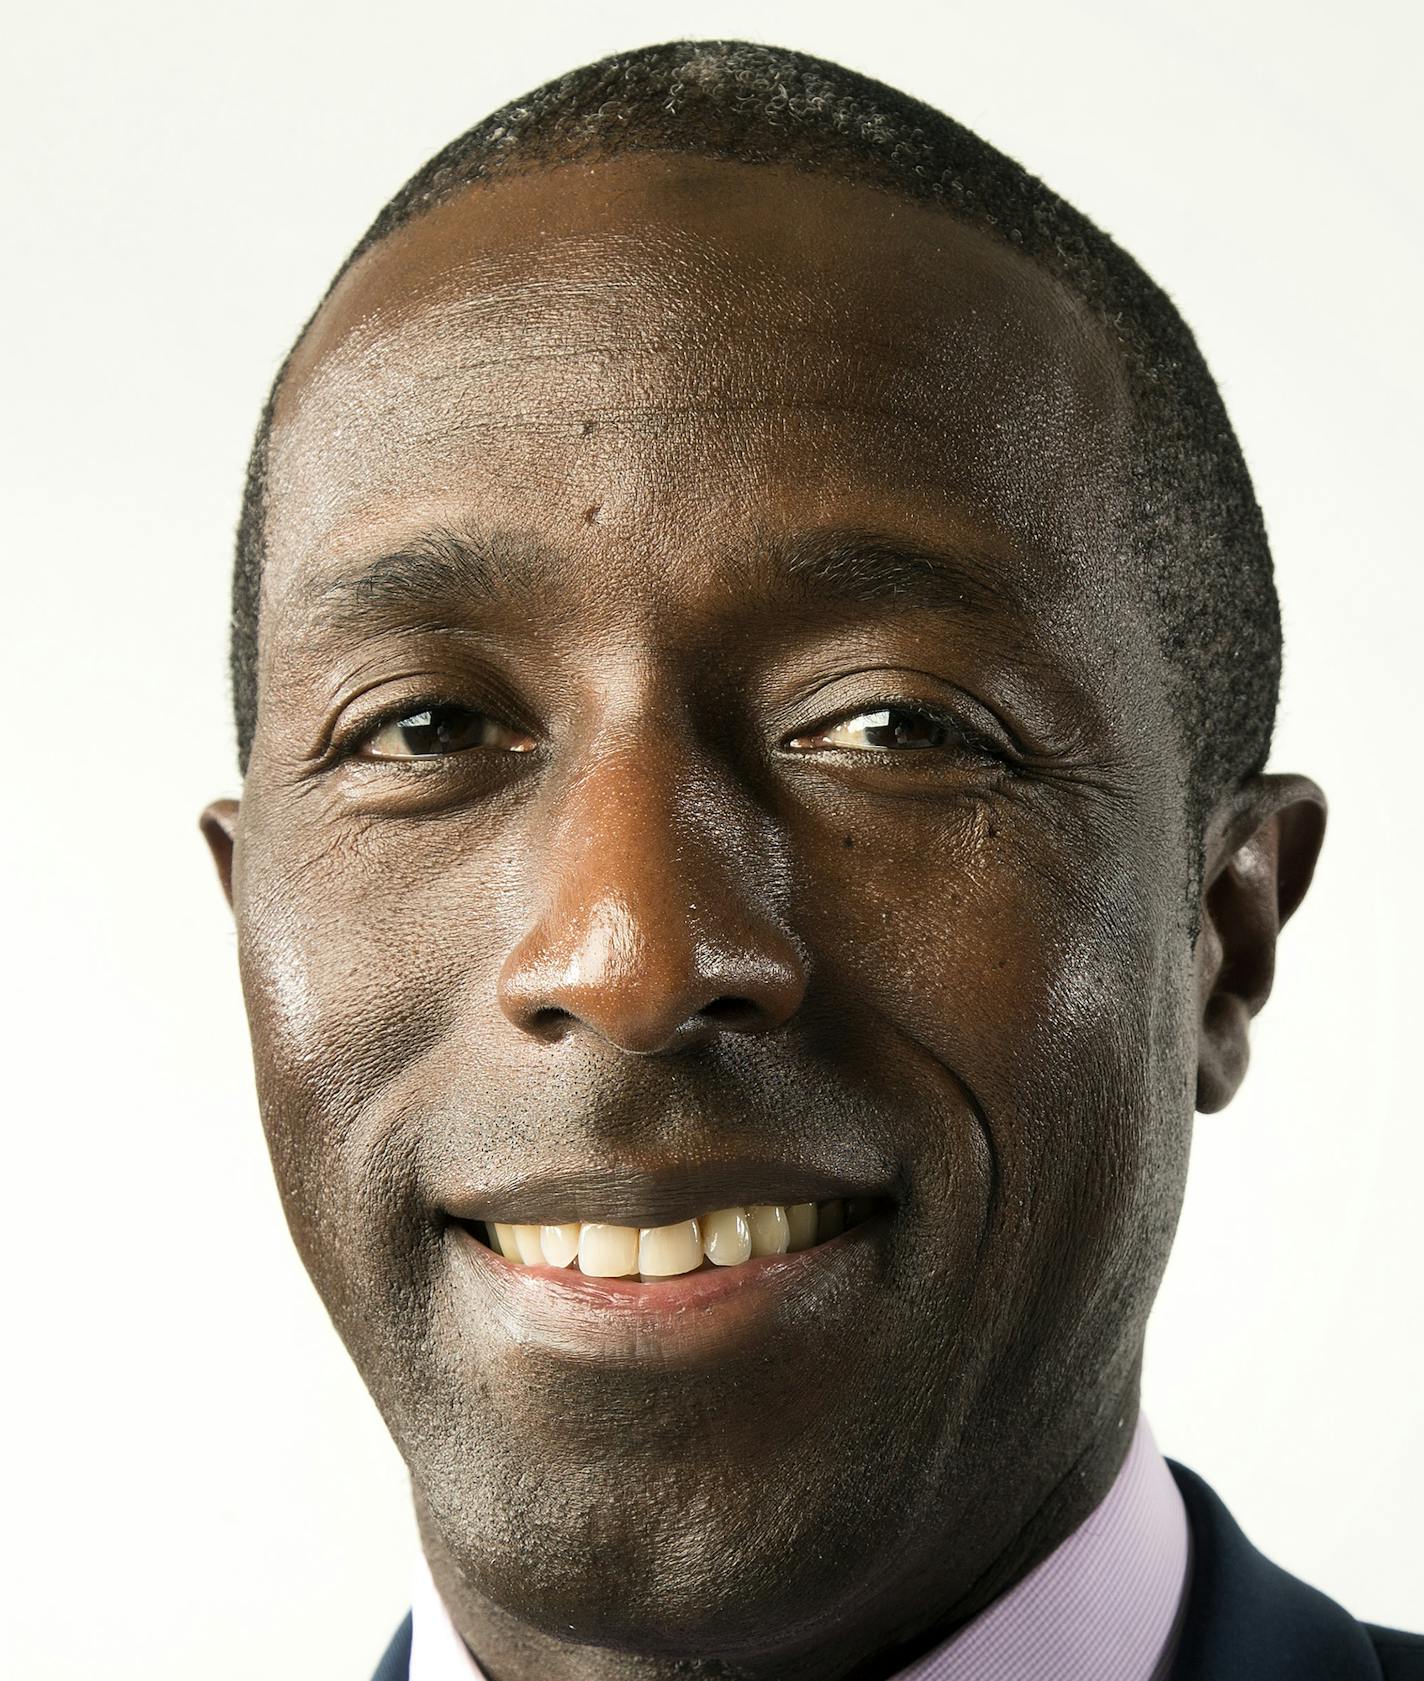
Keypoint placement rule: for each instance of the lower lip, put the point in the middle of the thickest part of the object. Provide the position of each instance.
(694, 1314)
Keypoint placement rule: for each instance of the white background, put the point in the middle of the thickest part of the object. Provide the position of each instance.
(196, 1482)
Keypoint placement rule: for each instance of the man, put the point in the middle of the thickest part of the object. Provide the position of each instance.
(754, 654)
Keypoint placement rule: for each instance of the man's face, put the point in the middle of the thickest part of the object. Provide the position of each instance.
(807, 821)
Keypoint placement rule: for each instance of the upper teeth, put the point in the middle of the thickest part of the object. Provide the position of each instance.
(723, 1238)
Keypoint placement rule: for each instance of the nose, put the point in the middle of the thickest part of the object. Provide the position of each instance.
(656, 928)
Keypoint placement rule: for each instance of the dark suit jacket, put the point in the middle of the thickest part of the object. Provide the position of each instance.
(1246, 1618)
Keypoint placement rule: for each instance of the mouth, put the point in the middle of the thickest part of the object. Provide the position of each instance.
(723, 1238)
(627, 1264)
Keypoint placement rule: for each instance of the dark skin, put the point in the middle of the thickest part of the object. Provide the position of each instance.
(668, 899)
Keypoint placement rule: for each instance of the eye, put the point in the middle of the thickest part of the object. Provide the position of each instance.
(435, 728)
(892, 726)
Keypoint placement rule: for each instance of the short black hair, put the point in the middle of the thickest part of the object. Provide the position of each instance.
(1197, 535)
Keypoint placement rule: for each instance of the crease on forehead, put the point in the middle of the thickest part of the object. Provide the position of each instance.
(746, 275)
(684, 239)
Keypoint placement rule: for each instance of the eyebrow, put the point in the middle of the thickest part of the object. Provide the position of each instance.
(441, 571)
(870, 568)
(434, 569)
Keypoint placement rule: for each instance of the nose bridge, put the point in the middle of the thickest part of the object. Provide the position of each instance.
(655, 923)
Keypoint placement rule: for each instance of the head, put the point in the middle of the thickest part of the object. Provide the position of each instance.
(755, 654)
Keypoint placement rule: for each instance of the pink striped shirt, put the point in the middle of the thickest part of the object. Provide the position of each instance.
(1105, 1605)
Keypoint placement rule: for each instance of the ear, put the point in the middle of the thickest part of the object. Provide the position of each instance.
(219, 825)
(1260, 851)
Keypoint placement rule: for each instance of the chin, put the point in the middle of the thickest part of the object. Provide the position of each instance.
(668, 1547)
(700, 1585)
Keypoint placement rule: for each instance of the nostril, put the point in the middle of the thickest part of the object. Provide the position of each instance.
(730, 1010)
(549, 1022)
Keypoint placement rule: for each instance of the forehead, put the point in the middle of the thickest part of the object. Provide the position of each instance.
(652, 362)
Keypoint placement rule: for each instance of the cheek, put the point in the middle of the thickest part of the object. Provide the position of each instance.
(1036, 962)
(1015, 942)
(350, 978)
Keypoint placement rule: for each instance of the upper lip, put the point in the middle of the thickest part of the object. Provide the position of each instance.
(652, 1195)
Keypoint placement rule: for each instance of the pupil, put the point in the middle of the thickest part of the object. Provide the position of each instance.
(910, 726)
(436, 730)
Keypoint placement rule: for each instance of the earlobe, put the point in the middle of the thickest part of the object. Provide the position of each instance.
(219, 825)
(1260, 856)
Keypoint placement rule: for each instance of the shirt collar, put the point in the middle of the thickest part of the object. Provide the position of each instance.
(1103, 1606)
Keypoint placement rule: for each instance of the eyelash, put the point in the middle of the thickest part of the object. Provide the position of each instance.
(968, 739)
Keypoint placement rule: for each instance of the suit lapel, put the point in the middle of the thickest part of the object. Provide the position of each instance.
(395, 1664)
(1248, 1617)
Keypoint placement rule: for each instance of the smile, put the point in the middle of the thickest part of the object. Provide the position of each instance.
(725, 1237)
(704, 1288)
